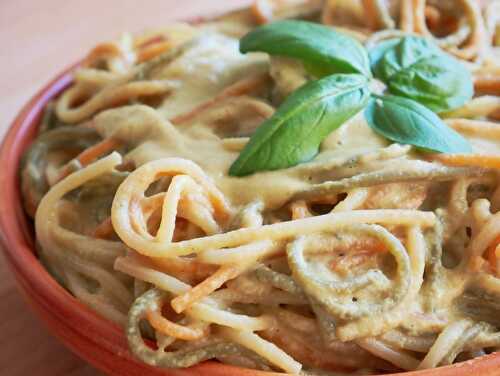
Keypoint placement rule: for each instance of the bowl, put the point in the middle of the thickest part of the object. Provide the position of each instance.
(93, 338)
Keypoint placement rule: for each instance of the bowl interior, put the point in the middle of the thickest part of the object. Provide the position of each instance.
(95, 339)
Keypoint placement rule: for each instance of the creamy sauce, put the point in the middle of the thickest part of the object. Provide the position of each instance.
(211, 64)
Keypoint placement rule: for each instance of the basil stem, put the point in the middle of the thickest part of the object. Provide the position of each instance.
(294, 133)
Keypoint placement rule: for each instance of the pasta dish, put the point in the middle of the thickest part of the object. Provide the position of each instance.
(303, 186)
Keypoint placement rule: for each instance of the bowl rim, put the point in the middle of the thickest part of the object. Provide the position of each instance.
(47, 295)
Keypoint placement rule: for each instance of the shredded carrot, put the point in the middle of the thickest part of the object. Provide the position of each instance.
(478, 160)
(153, 40)
(447, 24)
(90, 154)
(102, 50)
(432, 16)
(104, 230)
(172, 329)
(97, 150)
(346, 264)
(492, 254)
(151, 51)
(190, 269)
(237, 89)
(487, 84)
(478, 127)
(370, 14)
(495, 115)
(216, 280)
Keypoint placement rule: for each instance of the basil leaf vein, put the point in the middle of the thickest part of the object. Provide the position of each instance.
(294, 133)
(408, 122)
(323, 50)
(402, 55)
(376, 53)
(438, 82)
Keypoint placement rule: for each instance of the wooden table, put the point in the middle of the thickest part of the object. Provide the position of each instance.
(38, 39)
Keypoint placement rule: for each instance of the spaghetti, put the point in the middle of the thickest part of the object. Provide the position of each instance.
(371, 257)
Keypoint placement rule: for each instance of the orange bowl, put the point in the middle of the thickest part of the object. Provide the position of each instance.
(95, 339)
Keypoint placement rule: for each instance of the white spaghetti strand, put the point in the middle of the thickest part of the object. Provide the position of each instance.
(369, 256)
(380, 349)
(264, 348)
(444, 343)
(130, 193)
(203, 310)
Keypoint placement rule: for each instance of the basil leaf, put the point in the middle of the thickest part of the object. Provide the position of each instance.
(408, 122)
(324, 50)
(438, 82)
(407, 52)
(377, 53)
(294, 133)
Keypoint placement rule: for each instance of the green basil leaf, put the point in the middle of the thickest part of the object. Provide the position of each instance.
(294, 133)
(324, 50)
(408, 122)
(407, 52)
(438, 82)
(377, 52)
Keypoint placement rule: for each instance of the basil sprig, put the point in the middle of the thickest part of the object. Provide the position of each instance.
(420, 75)
(322, 49)
(293, 134)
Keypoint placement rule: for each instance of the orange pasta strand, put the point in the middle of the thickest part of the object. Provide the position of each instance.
(209, 285)
(477, 160)
(172, 329)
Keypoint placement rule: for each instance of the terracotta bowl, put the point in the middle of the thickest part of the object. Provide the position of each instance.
(92, 337)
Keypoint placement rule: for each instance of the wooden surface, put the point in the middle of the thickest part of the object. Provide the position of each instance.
(39, 39)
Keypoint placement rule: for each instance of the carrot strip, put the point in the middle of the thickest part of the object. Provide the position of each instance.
(487, 84)
(370, 14)
(432, 16)
(149, 42)
(153, 50)
(101, 50)
(209, 285)
(186, 267)
(97, 150)
(104, 230)
(90, 154)
(172, 329)
(239, 88)
(478, 127)
(491, 254)
(345, 264)
(479, 160)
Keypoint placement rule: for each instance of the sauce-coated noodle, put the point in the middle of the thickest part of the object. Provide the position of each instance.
(372, 257)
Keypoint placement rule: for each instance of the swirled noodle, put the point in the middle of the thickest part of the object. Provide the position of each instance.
(373, 257)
